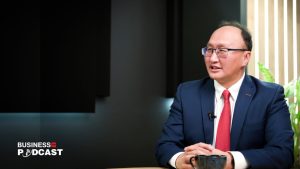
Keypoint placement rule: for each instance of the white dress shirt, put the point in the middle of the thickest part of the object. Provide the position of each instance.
(239, 159)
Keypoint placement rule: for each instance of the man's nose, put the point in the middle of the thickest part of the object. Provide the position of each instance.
(214, 56)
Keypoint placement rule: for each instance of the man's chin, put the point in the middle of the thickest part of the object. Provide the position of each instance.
(215, 76)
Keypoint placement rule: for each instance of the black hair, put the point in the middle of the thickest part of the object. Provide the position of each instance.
(244, 31)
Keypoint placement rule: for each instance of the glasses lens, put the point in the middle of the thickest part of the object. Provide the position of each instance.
(203, 51)
(222, 53)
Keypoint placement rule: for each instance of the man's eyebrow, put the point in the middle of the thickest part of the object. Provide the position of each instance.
(209, 45)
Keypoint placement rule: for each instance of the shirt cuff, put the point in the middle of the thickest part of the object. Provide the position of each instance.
(239, 160)
(172, 161)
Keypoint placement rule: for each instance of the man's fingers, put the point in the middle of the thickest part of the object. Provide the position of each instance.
(199, 152)
(200, 146)
(187, 161)
(183, 161)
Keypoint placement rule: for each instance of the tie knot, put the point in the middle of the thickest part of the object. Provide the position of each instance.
(226, 94)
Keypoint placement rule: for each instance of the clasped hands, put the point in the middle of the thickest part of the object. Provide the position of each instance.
(183, 160)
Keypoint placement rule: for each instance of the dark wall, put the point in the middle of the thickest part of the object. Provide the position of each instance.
(55, 57)
(189, 26)
(199, 20)
(123, 130)
(126, 125)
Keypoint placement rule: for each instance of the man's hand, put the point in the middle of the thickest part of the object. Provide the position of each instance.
(183, 161)
(229, 161)
(200, 149)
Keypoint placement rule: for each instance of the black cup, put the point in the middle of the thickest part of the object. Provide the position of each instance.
(208, 162)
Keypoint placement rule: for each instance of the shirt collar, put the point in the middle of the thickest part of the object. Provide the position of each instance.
(234, 89)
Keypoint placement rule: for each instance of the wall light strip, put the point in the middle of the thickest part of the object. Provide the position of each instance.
(285, 42)
(266, 33)
(276, 42)
(256, 37)
(295, 43)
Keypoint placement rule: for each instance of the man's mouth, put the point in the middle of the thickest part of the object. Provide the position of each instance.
(215, 67)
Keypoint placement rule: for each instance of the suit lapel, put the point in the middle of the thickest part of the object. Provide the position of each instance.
(207, 105)
(243, 101)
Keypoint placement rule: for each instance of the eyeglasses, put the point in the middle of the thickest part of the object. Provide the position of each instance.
(220, 52)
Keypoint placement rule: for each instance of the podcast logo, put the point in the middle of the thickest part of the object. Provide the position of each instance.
(26, 149)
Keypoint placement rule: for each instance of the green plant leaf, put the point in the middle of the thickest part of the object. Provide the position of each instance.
(266, 73)
(298, 116)
(298, 90)
(289, 90)
(292, 109)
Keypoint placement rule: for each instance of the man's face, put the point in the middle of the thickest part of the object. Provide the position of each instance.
(227, 70)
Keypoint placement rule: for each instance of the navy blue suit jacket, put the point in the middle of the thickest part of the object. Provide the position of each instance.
(261, 128)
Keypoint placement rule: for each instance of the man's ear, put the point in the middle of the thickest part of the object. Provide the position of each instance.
(247, 56)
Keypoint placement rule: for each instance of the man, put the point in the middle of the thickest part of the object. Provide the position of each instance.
(255, 130)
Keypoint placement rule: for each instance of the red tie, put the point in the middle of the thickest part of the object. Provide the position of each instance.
(223, 133)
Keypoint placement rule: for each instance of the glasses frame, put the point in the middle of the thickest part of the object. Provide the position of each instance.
(217, 50)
